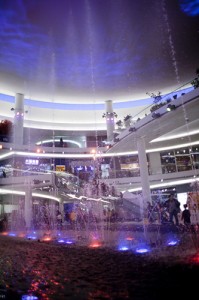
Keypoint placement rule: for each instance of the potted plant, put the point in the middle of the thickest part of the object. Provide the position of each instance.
(157, 106)
(127, 120)
(119, 124)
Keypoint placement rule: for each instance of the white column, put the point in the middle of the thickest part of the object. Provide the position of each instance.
(18, 119)
(146, 192)
(28, 207)
(155, 163)
(110, 122)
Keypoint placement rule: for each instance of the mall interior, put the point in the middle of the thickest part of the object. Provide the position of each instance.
(99, 149)
(147, 159)
(61, 137)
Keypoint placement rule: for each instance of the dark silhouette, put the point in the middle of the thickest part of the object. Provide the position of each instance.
(173, 206)
(186, 216)
(61, 143)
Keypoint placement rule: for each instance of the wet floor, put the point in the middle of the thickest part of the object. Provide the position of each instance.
(45, 270)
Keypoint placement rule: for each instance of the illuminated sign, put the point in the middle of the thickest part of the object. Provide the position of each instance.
(32, 162)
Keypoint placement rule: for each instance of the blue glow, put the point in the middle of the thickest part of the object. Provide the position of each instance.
(43, 49)
(190, 7)
(65, 241)
(172, 242)
(142, 250)
(116, 105)
(7, 98)
(61, 241)
(62, 106)
(123, 248)
(142, 247)
(69, 242)
(31, 237)
(29, 297)
(65, 106)
(12, 234)
(125, 245)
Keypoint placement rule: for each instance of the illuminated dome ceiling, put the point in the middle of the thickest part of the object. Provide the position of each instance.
(73, 55)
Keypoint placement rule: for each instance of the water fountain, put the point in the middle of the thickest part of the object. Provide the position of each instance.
(87, 223)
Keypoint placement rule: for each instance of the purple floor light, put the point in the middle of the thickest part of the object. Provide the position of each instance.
(142, 250)
(69, 242)
(172, 242)
(29, 297)
(32, 236)
(61, 241)
(123, 248)
(65, 241)
(12, 234)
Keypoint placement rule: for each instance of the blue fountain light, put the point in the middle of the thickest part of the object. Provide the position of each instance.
(32, 236)
(61, 241)
(65, 241)
(123, 248)
(172, 242)
(29, 297)
(69, 242)
(142, 250)
(124, 245)
(12, 234)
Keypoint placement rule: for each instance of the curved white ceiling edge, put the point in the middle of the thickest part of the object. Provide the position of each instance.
(45, 118)
(65, 126)
(79, 119)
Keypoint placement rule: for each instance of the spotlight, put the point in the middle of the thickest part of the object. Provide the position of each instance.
(132, 129)
(175, 96)
(156, 115)
(171, 107)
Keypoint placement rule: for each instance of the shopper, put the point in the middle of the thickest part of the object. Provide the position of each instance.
(173, 206)
(186, 216)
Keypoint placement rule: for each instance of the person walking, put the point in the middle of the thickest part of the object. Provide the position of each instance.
(173, 206)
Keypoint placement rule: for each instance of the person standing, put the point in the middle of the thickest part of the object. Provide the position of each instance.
(186, 216)
(59, 220)
(61, 142)
(173, 206)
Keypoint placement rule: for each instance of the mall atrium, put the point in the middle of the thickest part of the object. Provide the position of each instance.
(98, 91)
